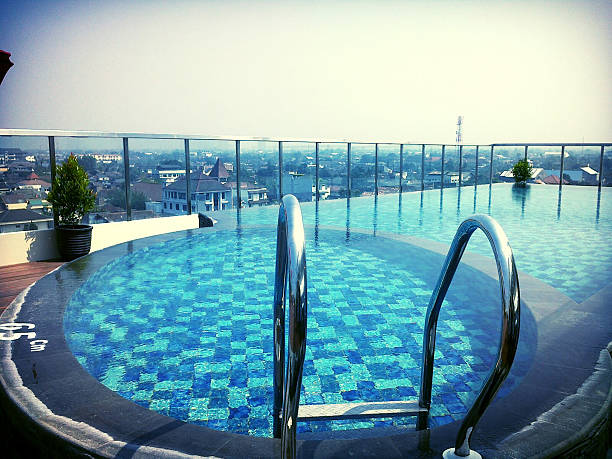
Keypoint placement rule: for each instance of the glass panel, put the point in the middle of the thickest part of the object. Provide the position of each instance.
(102, 159)
(259, 169)
(433, 165)
(388, 168)
(503, 161)
(213, 163)
(581, 165)
(468, 164)
(157, 172)
(482, 174)
(546, 162)
(298, 177)
(451, 166)
(362, 169)
(332, 171)
(25, 179)
(411, 180)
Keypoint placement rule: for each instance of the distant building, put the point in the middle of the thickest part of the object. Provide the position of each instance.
(433, 178)
(537, 173)
(585, 175)
(153, 191)
(219, 172)
(250, 195)
(8, 155)
(169, 172)
(207, 194)
(34, 182)
(105, 158)
(23, 220)
(299, 185)
(553, 180)
(589, 176)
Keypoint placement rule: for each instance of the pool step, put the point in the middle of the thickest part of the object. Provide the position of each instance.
(359, 410)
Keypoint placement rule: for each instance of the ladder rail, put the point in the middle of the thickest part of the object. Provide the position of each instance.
(290, 269)
(510, 303)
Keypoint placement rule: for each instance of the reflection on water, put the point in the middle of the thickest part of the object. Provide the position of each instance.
(458, 202)
(399, 212)
(421, 210)
(375, 215)
(598, 205)
(316, 228)
(520, 194)
(348, 220)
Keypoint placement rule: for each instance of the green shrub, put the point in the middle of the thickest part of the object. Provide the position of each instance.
(70, 193)
(522, 171)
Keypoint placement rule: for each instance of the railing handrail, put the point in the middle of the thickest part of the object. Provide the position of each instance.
(144, 135)
(291, 260)
(510, 302)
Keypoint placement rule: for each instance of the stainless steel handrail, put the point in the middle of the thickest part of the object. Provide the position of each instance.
(291, 267)
(510, 302)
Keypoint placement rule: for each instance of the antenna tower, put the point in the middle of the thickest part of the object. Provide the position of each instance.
(459, 132)
(459, 138)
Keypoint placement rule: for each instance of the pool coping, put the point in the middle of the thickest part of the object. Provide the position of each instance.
(525, 413)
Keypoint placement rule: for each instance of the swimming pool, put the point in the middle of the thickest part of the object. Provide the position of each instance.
(185, 328)
(561, 239)
(49, 399)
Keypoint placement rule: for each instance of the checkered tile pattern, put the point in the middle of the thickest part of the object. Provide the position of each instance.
(185, 328)
(564, 242)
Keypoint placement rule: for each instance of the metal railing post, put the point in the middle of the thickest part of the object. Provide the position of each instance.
(188, 176)
(442, 168)
(238, 198)
(317, 197)
(376, 169)
(53, 165)
(348, 170)
(460, 164)
(476, 168)
(401, 171)
(601, 158)
(491, 167)
(526, 147)
(561, 167)
(126, 171)
(280, 170)
(422, 167)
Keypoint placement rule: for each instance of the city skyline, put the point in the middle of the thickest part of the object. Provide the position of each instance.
(516, 71)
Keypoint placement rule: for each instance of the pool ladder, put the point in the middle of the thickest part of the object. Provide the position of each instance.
(291, 270)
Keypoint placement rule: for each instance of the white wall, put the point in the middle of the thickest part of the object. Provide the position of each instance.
(24, 246)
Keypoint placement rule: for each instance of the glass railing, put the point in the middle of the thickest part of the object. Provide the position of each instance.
(140, 176)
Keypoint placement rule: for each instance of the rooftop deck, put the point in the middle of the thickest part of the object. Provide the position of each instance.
(15, 278)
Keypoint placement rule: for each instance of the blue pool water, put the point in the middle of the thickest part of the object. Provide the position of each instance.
(185, 327)
(561, 239)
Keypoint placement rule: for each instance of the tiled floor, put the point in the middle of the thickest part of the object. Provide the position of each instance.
(15, 278)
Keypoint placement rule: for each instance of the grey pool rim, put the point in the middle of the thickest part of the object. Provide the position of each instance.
(562, 405)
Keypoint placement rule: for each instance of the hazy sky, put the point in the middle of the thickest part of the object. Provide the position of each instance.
(403, 71)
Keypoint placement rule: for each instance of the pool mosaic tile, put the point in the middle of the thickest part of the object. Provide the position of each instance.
(196, 343)
(561, 239)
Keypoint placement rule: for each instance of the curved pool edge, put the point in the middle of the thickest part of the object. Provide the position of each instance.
(145, 433)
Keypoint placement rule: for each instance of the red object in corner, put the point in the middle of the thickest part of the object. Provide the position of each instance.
(5, 64)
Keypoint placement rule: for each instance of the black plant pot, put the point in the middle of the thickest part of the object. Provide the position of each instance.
(73, 241)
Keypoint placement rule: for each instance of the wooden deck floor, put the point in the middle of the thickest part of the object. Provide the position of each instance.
(15, 278)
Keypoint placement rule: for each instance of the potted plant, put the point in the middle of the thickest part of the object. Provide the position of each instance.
(72, 199)
(522, 171)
